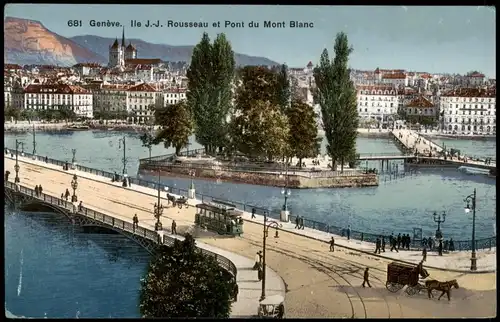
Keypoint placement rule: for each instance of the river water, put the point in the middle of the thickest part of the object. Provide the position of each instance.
(54, 271)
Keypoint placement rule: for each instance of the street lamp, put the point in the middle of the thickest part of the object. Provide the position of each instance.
(158, 208)
(124, 159)
(16, 166)
(267, 225)
(286, 192)
(34, 141)
(73, 160)
(74, 185)
(471, 200)
(437, 218)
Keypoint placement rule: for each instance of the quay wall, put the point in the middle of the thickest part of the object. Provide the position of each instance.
(348, 179)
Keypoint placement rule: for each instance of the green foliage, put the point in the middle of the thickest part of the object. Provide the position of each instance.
(261, 131)
(303, 130)
(11, 112)
(424, 120)
(336, 95)
(283, 88)
(111, 115)
(257, 83)
(209, 96)
(182, 282)
(176, 126)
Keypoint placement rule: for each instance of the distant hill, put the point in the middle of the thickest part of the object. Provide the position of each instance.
(100, 45)
(29, 42)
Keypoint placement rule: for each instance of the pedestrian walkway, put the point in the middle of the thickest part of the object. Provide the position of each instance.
(250, 288)
(455, 261)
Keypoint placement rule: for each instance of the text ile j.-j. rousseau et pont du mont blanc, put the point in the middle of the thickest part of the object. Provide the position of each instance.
(191, 24)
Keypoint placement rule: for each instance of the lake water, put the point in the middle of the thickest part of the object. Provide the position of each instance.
(52, 270)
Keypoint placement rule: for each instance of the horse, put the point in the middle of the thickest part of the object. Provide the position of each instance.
(444, 287)
(172, 199)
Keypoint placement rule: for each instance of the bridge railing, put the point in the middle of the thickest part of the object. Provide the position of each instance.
(167, 156)
(272, 213)
(116, 223)
(386, 154)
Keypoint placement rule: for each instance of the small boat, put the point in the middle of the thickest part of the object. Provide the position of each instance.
(78, 127)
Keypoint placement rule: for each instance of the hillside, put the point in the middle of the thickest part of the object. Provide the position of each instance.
(29, 42)
(145, 49)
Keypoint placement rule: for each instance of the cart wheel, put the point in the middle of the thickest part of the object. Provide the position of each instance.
(180, 206)
(393, 287)
(412, 290)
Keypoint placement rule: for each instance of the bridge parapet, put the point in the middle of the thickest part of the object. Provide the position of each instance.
(114, 222)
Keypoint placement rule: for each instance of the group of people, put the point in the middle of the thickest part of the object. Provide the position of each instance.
(299, 222)
(429, 243)
(38, 190)
(396, 243)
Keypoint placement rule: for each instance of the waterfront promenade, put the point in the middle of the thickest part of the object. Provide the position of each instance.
(319, 283)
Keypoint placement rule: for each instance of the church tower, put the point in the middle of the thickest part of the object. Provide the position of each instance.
(117, 52)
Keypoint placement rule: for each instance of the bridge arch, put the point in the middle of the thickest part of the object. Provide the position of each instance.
(38, 205)
(9, 197)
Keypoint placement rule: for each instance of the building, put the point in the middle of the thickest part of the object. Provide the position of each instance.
(118, 54)
(469, 111)
(141, 100)
(395, 79)
(111, 99)
(55, 96)
(173, 96)
(421, 108)
(376, 102)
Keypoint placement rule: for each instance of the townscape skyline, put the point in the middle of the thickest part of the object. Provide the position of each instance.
(425, 39)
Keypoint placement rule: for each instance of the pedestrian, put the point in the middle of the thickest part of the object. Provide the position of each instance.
(257, 261)
(301, 222)
(62, 195)
(430, 242)
(253, 214)
(7, 173)
(66, 194)
(424, 254)
(383, 244)
(36, 190)
(259, 273)
(135, 221)
(394, 245)
(174, 227)
(332, 244)
(445, 246)
(451, 246)
(365, 278)
(40, 189)
(348, 232)
(440, 248)
(377, 246)
(235, 292)
(399, 240)
(80, 206)
(46, 159)
(297, 222)
(408, 241)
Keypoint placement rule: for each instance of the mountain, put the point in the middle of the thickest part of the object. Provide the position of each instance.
(29, 42)
(145, 49)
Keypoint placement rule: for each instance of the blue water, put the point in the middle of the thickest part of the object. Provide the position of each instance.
(68, 274)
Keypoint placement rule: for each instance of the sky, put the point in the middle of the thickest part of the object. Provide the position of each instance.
(431, 39)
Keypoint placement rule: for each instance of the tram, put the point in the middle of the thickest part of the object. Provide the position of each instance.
(223, 219)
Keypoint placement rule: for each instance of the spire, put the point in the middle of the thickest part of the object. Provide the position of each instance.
(123, 37)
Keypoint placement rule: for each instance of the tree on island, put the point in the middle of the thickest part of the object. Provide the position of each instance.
(336, 95)
(259, 128)
(283, 88)
(175, 124)
(303, 136)
(182, 282)
(11, 112)
(210, 80)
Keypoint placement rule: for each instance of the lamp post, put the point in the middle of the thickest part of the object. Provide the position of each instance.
(74, 185)
(158, 208)
(267, 225)
(34, 141)
(16, 166)
(124, 159)
(439, 218)
(73, 160)
(471, 203)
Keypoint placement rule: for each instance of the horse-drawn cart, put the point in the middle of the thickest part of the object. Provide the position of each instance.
(400, 275)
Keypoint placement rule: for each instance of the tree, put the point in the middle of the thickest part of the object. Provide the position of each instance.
(255, 83)
(29, 114)
(210, 76)
(283, 88)
(303, 130)
(176, 125)
(336, 95)
(12, 112)
(182, 282)
(261, 131)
